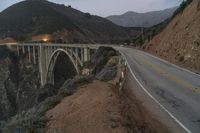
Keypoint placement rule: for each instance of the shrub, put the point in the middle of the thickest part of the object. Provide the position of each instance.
(101, 57)
(4, 52)
(181, 58)
(88, 15)
(107, 74)
(71, 86)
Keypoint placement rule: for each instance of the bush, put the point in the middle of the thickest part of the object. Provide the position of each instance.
(48, 104)
(45, 92)
(181, 59)
(4, 52)
(24, 123)
(101, 57)
(71, 86)
(88, 15)
(107, 74)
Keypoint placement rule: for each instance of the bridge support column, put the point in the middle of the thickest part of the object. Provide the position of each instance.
(86, 54)
(29, 54)
(49, 54)
(18, 50)
(82, 55)
(71, 51)
(34, 56)
(76, 54)
(42, 64)
(23, 49)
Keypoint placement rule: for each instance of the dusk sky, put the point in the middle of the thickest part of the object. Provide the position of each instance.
(109, 7)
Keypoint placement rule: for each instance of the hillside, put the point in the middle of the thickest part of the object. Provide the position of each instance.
(148, 19)
(29, 18)
(179, 42)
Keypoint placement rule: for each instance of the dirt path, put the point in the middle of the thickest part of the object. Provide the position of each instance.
(99, 108)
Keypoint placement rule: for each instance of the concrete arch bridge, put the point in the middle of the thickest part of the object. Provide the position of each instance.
(46, 55)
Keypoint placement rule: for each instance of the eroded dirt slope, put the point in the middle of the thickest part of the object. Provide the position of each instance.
(100, 108)
(180, 41)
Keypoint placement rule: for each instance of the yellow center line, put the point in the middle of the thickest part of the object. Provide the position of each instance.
(171, 77)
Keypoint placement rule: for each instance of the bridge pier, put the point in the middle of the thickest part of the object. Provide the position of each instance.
(34, 56)
(18, 50)
(86, 54)
(29, 54)
(42, 64)
(76, 58)
(23, 49)
(82, 55)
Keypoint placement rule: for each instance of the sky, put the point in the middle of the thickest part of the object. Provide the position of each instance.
(108, 7)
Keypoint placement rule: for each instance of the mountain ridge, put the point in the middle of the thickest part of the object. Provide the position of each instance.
(148, 19)
(29, 18)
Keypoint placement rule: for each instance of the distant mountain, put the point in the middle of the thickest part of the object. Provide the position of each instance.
(30, 18)
(149, 19)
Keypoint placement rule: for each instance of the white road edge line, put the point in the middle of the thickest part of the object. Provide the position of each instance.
(183, 69)
(173, 117)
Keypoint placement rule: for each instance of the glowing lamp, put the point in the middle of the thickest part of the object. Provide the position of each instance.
(45, 39)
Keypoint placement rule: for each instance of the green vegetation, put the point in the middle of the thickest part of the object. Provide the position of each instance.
(4, 52)
(34, 119)
(102, 56)
(109, 71)
(148, 34)
(181, 8)
(71, 86)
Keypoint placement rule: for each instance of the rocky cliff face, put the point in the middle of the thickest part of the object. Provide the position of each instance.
(7, 98)
(19, 82)
(180, 40)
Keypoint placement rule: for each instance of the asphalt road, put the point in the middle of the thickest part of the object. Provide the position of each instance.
(177, 91)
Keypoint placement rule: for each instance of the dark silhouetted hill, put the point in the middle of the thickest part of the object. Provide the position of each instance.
(29, 18)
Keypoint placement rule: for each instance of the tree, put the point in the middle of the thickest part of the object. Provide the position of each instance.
(181, 8)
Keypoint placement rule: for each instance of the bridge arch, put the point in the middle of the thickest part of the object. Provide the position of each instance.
(52, 61)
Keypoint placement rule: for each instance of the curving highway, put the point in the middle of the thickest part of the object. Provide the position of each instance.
(175, 90)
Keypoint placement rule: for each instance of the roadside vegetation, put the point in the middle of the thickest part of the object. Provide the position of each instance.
(181, 8)
(34, 120)
(4, 52)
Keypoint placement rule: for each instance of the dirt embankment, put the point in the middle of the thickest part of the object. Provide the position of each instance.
(180, 40)
(101, 108)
